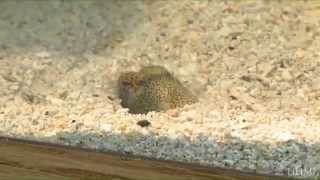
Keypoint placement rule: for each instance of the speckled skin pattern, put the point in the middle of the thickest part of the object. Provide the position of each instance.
(153, 88)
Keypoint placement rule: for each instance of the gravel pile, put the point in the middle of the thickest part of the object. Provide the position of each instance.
(255, 67)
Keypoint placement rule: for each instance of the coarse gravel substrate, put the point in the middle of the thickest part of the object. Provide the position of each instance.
(255, 66)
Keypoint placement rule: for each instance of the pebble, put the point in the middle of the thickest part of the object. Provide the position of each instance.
(144, 123)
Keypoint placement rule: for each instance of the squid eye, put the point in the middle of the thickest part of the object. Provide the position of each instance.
(125, 83)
